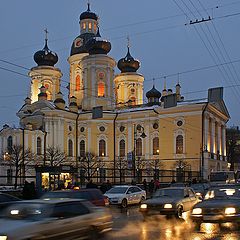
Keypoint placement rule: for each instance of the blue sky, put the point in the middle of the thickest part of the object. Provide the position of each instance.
(159, 39)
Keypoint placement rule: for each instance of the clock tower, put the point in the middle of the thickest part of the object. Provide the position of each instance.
(88, 30)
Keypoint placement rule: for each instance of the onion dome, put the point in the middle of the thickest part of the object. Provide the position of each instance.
(153, 93)
(88, 14)
(97, 45)
(45, 57)
(128, 64)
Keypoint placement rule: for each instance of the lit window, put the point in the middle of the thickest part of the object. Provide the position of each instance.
(156, 146)
(84, 26)
(179, 144)
(102, 148)
(77, 83)
(39, 146)
(70, 148)
(101, 89)
(122, 148)
(95, 27)
(90, 26)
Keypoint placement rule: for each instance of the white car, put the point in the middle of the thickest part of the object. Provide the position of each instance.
(125, 195)
(54, 219)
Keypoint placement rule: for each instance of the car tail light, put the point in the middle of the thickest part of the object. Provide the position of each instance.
(106, 200)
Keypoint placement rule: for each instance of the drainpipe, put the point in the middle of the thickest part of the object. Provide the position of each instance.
(201, 164)
(114, 148)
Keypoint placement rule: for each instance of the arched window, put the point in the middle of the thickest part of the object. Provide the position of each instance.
(132, 101)
(70, 148)
(9, 144)
(179, 144)
(101, 89)
(39, 146)
(156, 146)
(122, 148)
(82, 148)
(139, 147)
(102, 148)
(77, 83)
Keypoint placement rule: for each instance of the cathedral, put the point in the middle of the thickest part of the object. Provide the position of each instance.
(104, 130)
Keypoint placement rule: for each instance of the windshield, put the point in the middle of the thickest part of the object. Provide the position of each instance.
(116, 190)
(169, 193)
(228, 193)
(29, 211)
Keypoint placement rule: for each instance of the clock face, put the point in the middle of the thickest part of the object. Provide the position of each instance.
(78, 42)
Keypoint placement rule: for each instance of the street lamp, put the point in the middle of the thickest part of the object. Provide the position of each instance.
(137, 130)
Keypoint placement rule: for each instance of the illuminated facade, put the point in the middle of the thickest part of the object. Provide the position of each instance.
(189, 134)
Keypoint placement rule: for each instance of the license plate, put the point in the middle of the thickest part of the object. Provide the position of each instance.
(211, 218)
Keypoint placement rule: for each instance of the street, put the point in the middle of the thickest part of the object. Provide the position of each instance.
(129, 224)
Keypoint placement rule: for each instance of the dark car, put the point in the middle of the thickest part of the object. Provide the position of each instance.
(54, 219)
(6, 200)
(220, 205)
(93, 195)
(200, 188)
(172, 201)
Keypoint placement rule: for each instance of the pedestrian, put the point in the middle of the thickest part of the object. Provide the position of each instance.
(151, 187)
(156, 184)
(145, 184)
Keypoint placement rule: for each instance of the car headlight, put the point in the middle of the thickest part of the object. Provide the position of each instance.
(167, 205)
(143, 206)
(3, 237)
(197, 211)
(230, 210)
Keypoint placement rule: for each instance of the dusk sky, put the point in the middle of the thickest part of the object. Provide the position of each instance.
(159, 38)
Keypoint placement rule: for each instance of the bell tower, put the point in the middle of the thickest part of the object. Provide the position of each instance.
(45, 73)
(129, 83)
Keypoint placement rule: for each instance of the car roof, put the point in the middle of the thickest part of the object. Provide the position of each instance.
(174, 188)
(51, 201)
(126, 186)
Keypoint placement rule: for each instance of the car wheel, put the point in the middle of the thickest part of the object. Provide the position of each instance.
(142, 199)
(124, 203)
(93, 233)
(179, 212)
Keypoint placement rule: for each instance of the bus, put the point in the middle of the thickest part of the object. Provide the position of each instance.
(221, 177)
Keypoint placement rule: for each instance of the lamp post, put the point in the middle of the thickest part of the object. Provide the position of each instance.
(137, 130)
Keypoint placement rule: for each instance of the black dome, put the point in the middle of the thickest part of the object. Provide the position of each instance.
(45, 57)
(153, 93)
(128, 64)
(97, 45)
(88, 14)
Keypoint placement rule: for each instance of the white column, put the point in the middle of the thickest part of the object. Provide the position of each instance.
(34, 145)
(55, 135)
(224, 140)
(130, 146)
(147, 142)
(213, 147)
(89, 140)
(206, 126)
(219, 138)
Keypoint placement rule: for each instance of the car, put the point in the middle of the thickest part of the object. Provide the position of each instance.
(6, 200)
(171, 201)
(93, 195)
(125, 195)
(220, 205)
(200, 188)
(54, 219)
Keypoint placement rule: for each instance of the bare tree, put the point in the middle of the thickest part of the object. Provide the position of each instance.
(19, 158)
(90, 164)
(55, 157)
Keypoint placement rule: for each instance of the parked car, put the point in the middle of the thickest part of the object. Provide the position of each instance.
(54, 219)
(220, 205)
(171, 201)
(125, 195)
(93, 195)
(6, 200)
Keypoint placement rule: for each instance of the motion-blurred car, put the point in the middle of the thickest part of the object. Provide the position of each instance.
(125, 195)
(200, 189)
(54, 219)
(172, 201)
(93, 195)
(220, 205)
(6, 200)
